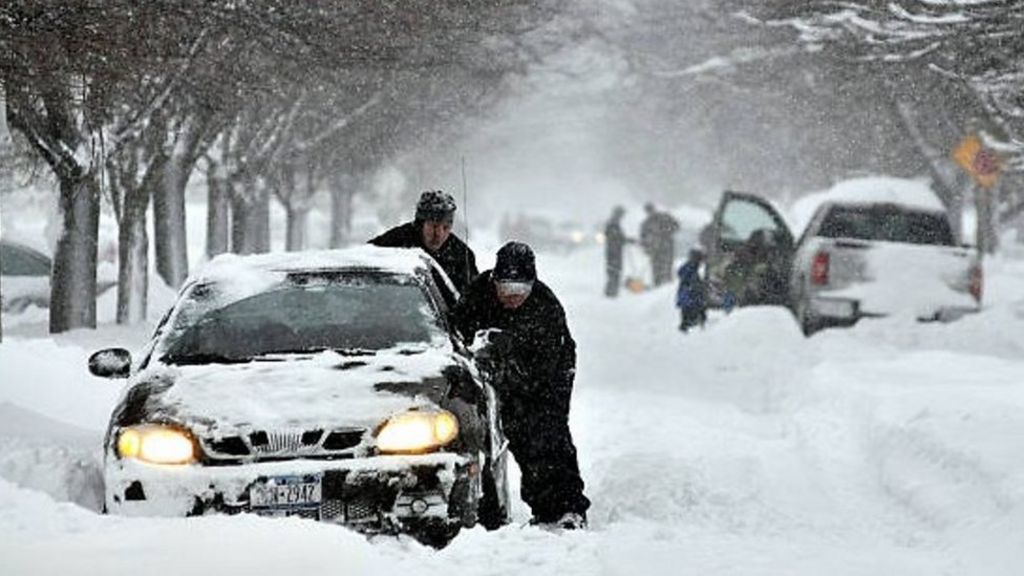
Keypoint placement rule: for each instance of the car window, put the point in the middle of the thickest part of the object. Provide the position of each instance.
(309, 317)
(17, 261)
(741, 218)
(887, 223)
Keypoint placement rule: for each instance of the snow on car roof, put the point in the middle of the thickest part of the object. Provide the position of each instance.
(916, 194)
(239, 277)
(230, 268)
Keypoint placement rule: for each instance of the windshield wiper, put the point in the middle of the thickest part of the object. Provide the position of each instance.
(353, 351)
(318, 349)
(206, 358)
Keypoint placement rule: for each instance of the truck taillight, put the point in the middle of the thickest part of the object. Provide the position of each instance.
(977, 282)
(819, 269)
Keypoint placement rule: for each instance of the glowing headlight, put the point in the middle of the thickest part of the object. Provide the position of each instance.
(156, 444)
(416, 432)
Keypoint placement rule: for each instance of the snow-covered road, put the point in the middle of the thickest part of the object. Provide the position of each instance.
(894, 447)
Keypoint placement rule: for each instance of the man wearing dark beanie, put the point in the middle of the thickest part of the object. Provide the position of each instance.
(534, 383)
(431, 230)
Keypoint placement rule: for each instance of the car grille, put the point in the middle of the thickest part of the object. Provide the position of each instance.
(278, 442)
(362, 510)
(263, 445)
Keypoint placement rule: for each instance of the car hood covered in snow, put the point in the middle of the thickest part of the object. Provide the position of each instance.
(321, 390)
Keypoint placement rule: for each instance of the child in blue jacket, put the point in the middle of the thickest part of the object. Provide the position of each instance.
(690, 296)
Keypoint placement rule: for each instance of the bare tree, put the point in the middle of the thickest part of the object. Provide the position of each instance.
(51, 95)
(971, 51)
(141, 92)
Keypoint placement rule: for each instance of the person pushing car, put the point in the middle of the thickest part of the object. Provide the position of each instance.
(535, 388)
(431, 230)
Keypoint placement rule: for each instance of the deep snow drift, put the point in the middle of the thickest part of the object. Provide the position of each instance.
(893, 447)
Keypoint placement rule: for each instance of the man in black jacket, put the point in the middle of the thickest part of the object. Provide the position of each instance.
(535, 386)
(615, 241)
(656, 237)
(431, 230)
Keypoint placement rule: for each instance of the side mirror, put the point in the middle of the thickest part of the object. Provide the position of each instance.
(111, 363)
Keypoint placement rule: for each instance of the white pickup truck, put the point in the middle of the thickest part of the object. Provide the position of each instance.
(858, 257)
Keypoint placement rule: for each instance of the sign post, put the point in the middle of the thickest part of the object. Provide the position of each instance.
(984, 166)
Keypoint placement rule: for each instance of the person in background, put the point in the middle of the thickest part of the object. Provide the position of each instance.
(657, 238)
(615, 241)
(431, 230)
(534, 385)
(691, 295)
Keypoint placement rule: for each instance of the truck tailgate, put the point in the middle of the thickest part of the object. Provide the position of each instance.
(889, 277)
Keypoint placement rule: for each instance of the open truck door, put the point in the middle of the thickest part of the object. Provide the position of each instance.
(749, 250)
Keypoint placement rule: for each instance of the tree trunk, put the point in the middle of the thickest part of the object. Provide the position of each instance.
(133, 259)
(218, 215)
(295, 240)
(170, 238)
(342, 193)
(949, 191)
(262, 222)
(987, 234)
(250, 221)
(1, 277)
(73, 278)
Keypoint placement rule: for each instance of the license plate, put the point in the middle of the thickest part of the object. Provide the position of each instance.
(287, 493)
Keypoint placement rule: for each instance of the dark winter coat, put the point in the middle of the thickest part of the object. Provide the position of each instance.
(656, 233)
(614, 242)
(690, 294)
(535, 390)
(454, 257)
(542, 349)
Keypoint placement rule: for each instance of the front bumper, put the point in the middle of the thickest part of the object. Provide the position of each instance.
(382, 494)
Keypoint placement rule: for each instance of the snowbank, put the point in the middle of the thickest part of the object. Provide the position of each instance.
(743, 448)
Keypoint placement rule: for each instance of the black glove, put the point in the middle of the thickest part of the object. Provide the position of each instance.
(491, 344)
(493, 353)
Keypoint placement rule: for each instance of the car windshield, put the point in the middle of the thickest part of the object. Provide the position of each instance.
(887, 223)
(339, 315)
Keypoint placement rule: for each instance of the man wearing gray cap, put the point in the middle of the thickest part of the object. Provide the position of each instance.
(431, 230)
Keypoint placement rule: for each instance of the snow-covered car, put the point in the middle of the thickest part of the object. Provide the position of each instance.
(546, 234)
(326, 385)
(884, 247)
(25, 277)
(862, 259)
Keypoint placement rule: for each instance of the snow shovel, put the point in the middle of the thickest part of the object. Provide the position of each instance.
(633, 277)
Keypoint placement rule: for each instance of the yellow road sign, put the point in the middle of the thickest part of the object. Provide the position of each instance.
(983, 164)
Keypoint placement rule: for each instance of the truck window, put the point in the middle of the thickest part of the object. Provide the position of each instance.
(887, 224)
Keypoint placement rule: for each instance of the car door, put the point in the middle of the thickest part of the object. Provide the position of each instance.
(749, 250)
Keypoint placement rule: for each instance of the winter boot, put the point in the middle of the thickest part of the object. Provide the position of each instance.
(572, 521)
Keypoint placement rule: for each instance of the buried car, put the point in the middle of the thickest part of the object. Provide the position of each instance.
(325, 385)
(25, 277)
(874, 247)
